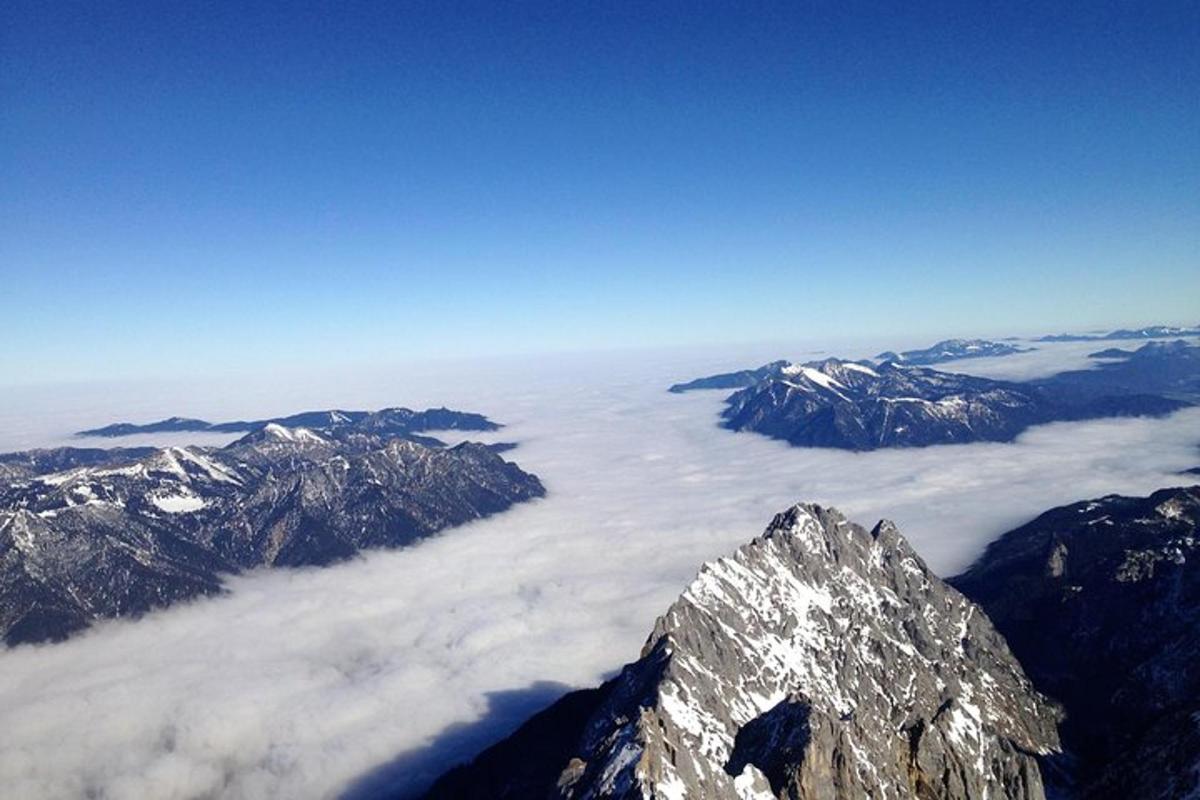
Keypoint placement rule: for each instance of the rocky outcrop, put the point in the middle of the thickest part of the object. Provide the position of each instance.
(822, 660)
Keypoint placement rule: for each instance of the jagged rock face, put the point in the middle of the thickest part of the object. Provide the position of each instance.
(1100, 600)
(822, 660)
(119, 537)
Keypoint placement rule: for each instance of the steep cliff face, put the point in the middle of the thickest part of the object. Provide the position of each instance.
(822, 660)
(1100, 600)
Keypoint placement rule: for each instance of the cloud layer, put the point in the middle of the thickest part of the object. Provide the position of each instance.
(299, 682)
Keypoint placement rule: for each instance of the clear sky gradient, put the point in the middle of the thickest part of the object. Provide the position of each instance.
(203, 185)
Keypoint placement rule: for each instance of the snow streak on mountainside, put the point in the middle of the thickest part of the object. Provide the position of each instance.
(853, 406)
(822, 660)
(1100, 601)
(87, 534)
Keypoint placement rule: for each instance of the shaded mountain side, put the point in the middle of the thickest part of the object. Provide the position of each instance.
(525, 764)
(1168, 369)
(1100, 601)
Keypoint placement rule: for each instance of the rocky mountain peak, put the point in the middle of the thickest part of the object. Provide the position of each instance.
(821, 660)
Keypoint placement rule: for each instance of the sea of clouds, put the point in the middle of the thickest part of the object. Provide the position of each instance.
(383, 671)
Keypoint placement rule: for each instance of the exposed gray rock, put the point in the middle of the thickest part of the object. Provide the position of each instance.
(821, 660)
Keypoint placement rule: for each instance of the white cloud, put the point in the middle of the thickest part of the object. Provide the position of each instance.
(301, 681)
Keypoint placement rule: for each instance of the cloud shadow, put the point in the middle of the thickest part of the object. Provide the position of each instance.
(412, 772)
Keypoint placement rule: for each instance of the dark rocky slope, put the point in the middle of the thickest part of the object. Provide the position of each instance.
(1100, 601)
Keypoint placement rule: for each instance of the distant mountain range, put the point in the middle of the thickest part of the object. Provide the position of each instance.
(1100, 602)
(945, 350)
(824, 661)
(1111, 352)
(1171, 369)
(388, 422)
(857, 406)
(733, 380)
(1150, 332)
(952, 350)
(87, 534)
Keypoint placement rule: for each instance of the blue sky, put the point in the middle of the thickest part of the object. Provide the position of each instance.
(205, 186)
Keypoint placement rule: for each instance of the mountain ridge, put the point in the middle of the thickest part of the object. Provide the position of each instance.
(851, 405)
(395, 421)
(85, 537)
(1124, 334)
(952, 350)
